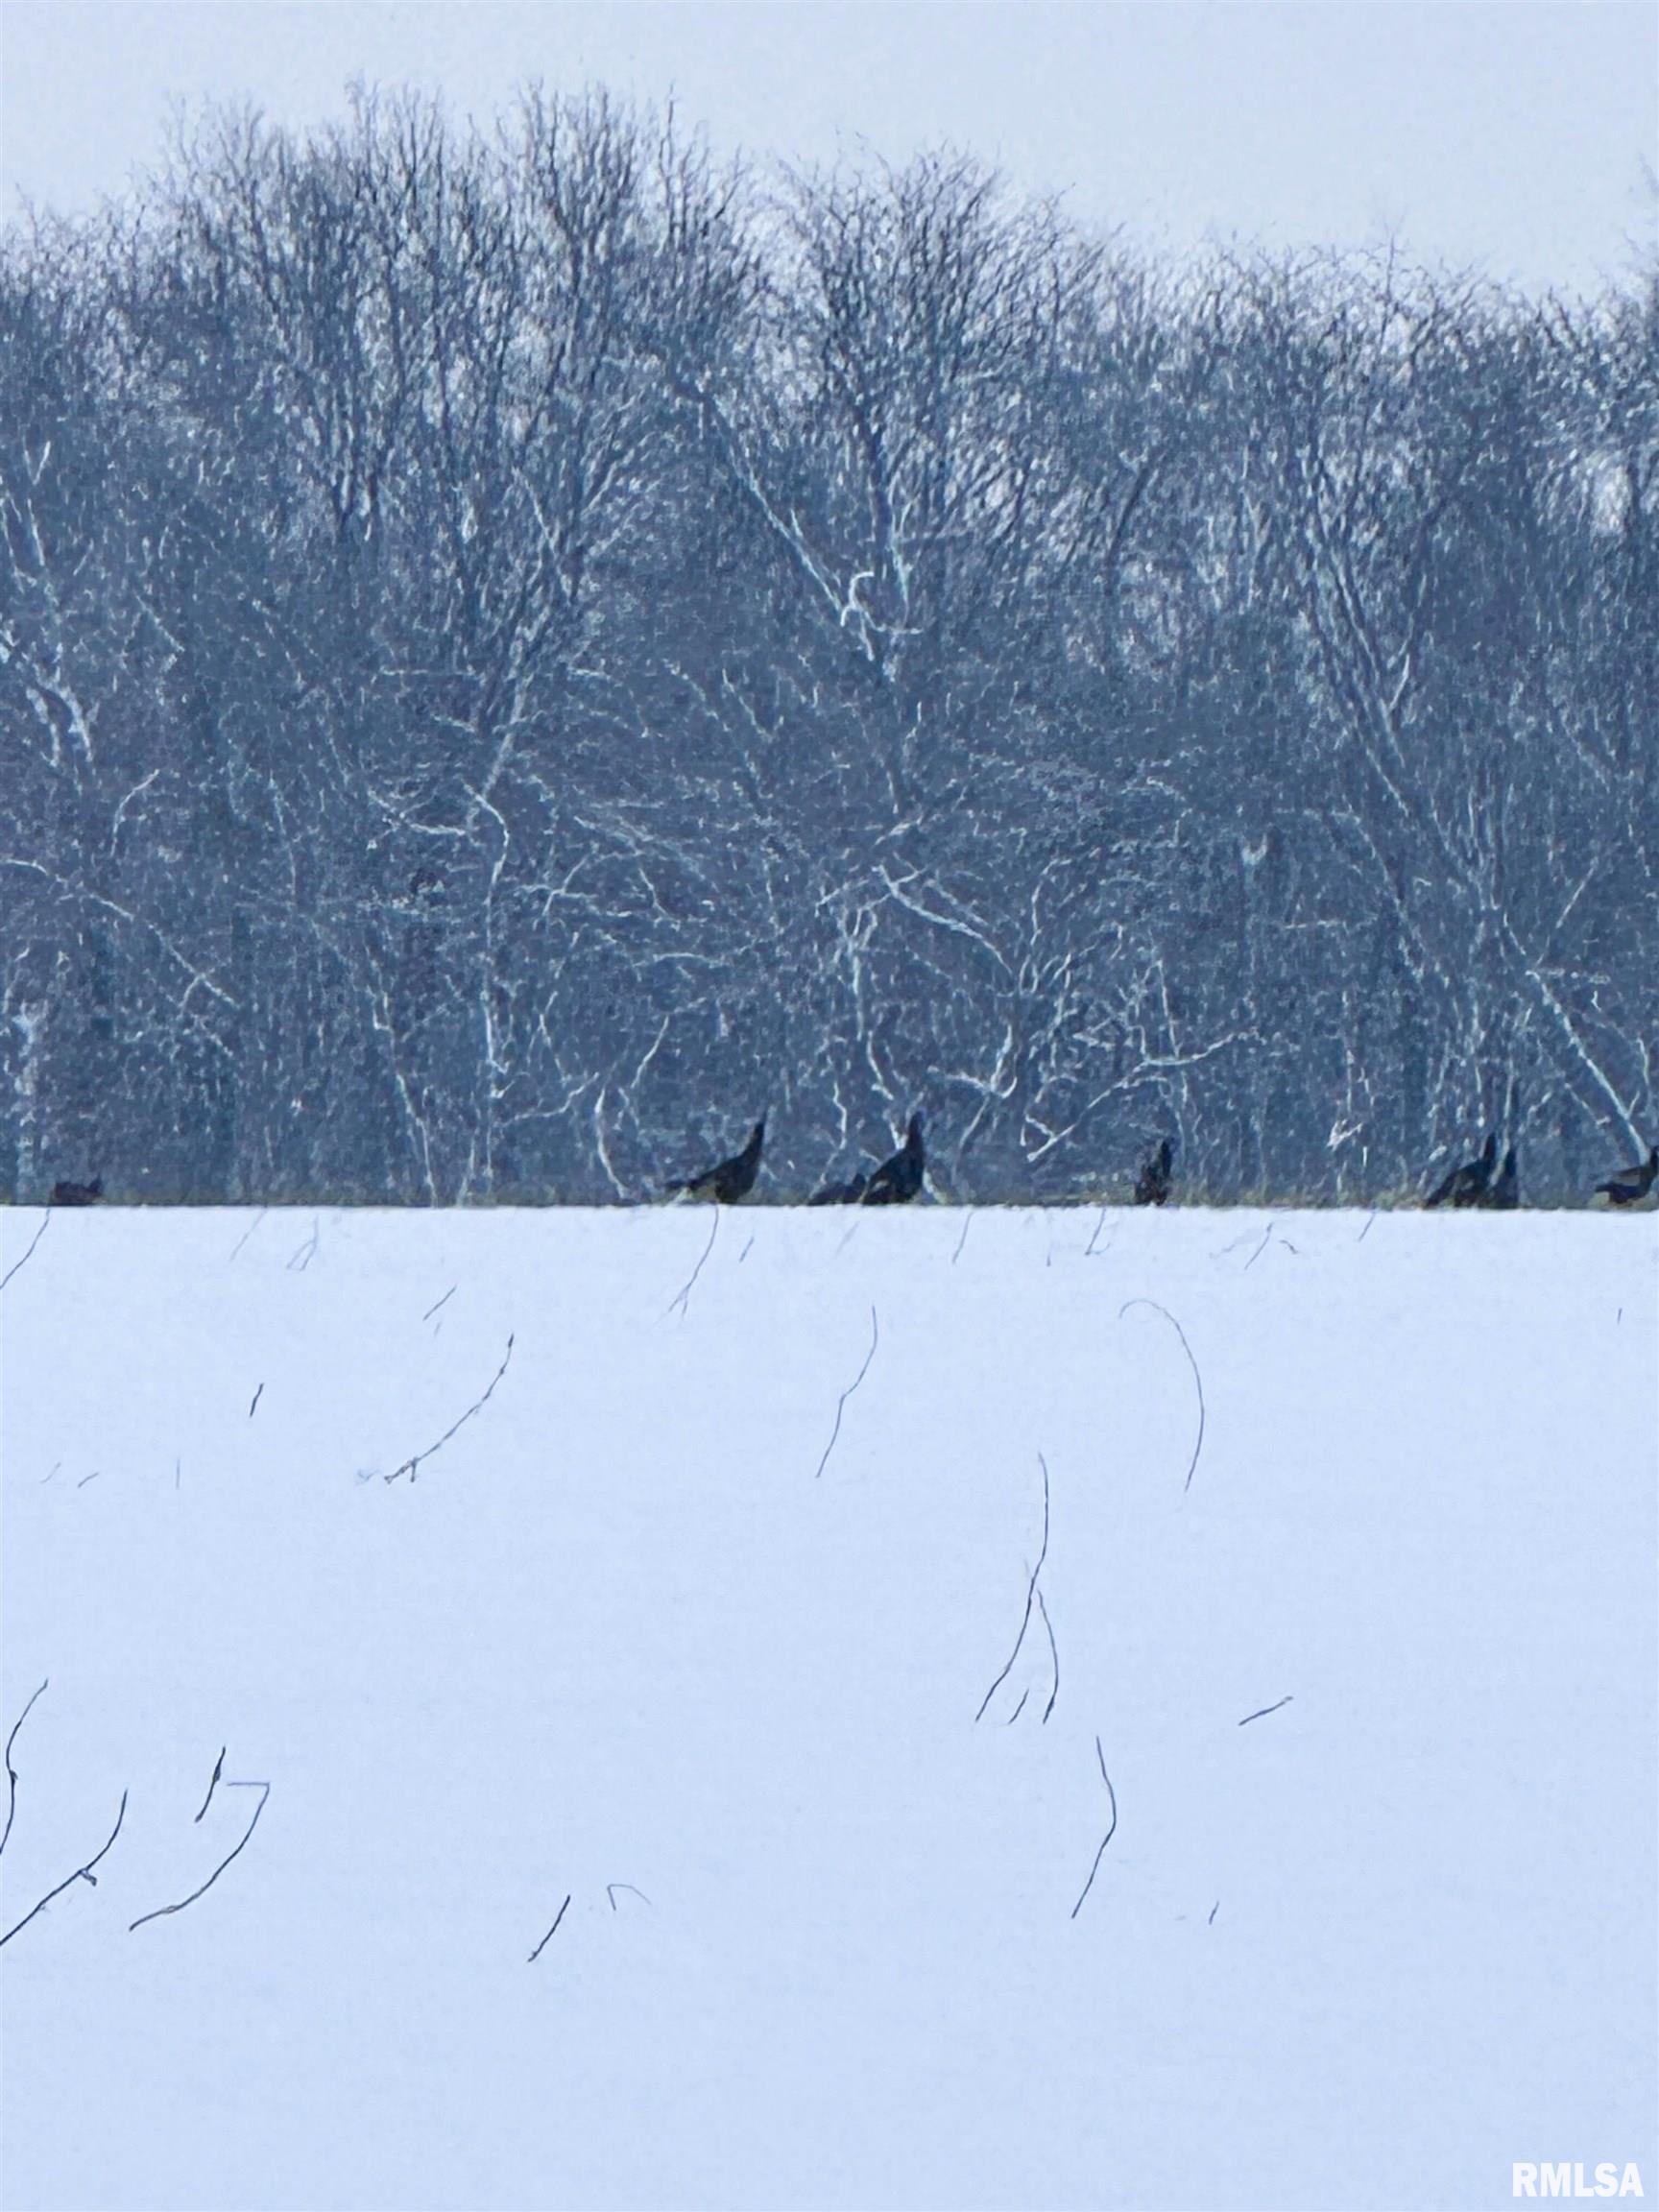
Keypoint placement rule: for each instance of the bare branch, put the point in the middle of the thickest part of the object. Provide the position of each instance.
(80, 1874)
(411, 1465)
(1198, 1380)
(10, 1771)
(841, 1402)
(163, 1912)
(1030, 1599)
(1106, 1838)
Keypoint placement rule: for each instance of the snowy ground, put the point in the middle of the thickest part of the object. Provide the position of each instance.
(624, 1628)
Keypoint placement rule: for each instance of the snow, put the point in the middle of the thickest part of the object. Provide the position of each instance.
(1366, 1949)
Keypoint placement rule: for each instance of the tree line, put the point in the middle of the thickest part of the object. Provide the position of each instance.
(524, 650)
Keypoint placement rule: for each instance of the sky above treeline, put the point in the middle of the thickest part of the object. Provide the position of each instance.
(1518, 138)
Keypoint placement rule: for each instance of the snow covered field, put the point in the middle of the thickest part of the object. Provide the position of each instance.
(1368, 1686)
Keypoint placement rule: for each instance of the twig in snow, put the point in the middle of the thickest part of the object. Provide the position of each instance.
(747, 1249)
(57, 1463)
(213, 1782)
(1053, 1656)
(257, 1395)
(304, 1255)
(611, 1890)
(411, 1464)
(1030, 1601)
(249, 1230)
(1266, 1234)
(1263, 1713)
(1017, 1710)
(1366, 1231)
(80, 1874)
(161, 1912)
(93, 1478)
(444, 1301)
(963, 1239)
(10, 1771)
(1213, 1909)
(1109, 1833)
(1198, 1380)
(551, 1933)
(45, 1224)
(683, 1297)
(1089, 1248)
(841, 1402)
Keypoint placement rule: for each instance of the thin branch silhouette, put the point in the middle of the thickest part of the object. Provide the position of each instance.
(682, 1297)
(1197, 1379)
(45, 1224)
(161, 1912)
(552, 1932)
(1053, 1656)
(841, 1402)
(254, 1405)
(611, 1890)
(1264, 1711)
(80, 1874)
(10, 1771)
(249, 1230)
(212, 1784)
(411, 1465)
(1109, 1833)
(1030, 1600)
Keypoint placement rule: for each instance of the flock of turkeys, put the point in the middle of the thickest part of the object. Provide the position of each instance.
(900, 1178)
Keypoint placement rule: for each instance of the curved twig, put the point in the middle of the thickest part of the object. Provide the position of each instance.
(10, 1771)
(411, 1464)
(1053, 1655)
(45, 1224)
(1030, 1600)
(1109, 1833)
(161, 1912)
(552, 1932)
(1264, 1711)
(80, 1874)
(682, 1297)
(841, 1402)
(1197, 1379)
(212, 1785)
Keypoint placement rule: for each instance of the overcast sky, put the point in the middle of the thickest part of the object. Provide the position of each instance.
(1495, 132)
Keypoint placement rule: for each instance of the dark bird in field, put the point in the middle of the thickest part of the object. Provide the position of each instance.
(1466, 1186)
(1631, 1184)
(1152, 1185)
(840, 1194)
(733, 1179)
(77, 1193)
(1504, 1193)
(897, 1180)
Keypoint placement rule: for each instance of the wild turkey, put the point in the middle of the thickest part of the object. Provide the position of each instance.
(77, 1193)
(733, 1179)
(840, 1194)
(1503, 1194)
(1152, 1185)
(1466, 1186)
(1631, 1184)
(897, 1180)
